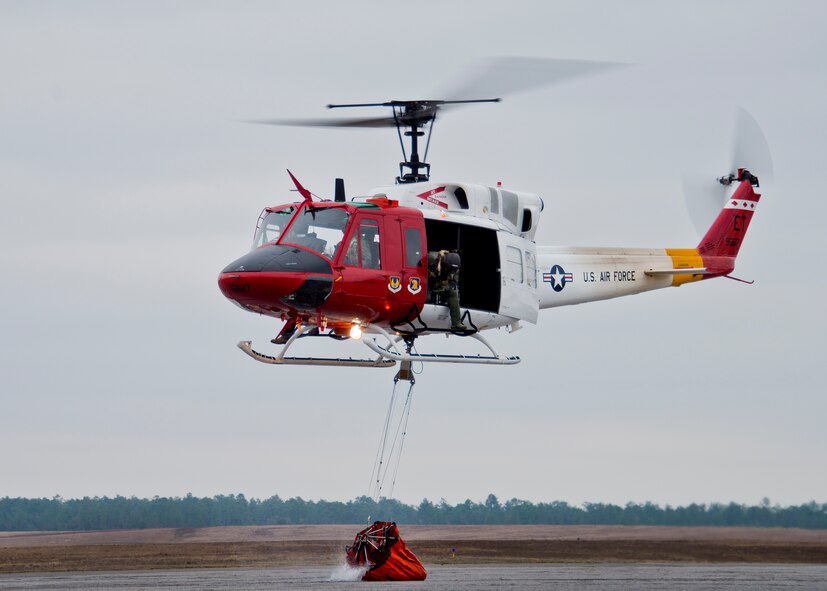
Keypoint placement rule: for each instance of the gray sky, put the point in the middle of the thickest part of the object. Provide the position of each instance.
(127, 184)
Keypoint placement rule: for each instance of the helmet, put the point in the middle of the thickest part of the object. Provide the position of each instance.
(452, 261)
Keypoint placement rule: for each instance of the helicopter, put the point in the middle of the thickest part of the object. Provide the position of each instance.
(362, 268)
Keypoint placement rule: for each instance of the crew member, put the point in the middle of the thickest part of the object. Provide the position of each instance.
(443, 282)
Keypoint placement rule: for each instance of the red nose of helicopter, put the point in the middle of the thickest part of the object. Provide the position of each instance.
(276, 278)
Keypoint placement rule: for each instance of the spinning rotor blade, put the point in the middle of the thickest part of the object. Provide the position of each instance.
(492, 78)
(750, 149)
(704, 195)
(509, 75)
(412, 118)
(354, 122)
(407, 112)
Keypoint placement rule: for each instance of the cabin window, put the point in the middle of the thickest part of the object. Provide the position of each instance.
(413, 247)
(514, 264)
(363, 249)
(530, 269)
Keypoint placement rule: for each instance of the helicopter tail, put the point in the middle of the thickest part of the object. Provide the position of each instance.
(715, 254)
(725, 236)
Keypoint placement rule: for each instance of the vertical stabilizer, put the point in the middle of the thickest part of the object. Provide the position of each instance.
(724, 237)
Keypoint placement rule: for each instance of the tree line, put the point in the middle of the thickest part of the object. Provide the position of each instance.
(95, 513)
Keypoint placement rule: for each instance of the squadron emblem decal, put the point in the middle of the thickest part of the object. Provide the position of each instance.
(557, 277)
(394, 284)
(415, 285)
(429, 196)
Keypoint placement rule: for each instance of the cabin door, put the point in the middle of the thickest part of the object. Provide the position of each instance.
(518, 278)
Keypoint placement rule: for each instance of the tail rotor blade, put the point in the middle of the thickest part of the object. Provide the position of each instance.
(704, 195)
(750, 149)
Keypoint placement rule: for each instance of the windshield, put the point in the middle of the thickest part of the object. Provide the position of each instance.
(318, 229)
(270, 225)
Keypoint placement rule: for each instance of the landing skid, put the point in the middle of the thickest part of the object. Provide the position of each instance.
(387, 356)
(247, 347)
(310, 331)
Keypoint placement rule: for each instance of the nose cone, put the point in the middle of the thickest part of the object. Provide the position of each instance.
(275, 279)
(279, 258)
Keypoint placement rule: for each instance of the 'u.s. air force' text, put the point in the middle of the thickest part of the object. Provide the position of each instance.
(594, 276)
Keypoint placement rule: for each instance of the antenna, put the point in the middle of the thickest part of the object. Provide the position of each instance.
(339, 190)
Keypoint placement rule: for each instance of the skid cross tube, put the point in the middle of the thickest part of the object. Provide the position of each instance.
(393, 352)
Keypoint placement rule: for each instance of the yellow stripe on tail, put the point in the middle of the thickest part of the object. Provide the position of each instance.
(685, 258)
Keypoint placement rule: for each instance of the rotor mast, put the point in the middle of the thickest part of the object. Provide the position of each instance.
(413, 116)
(414, 163)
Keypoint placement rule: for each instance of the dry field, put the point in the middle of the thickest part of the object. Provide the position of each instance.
(260, 546)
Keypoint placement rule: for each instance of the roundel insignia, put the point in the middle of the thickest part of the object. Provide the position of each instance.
(394, 284)
(557, 277)
(415, 285)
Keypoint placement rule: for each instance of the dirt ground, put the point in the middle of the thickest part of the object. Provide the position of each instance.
(266, 546)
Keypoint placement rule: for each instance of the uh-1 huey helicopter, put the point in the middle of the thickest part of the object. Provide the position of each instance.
(345, 268)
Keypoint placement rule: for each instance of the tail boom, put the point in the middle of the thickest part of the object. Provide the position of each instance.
(579, 275)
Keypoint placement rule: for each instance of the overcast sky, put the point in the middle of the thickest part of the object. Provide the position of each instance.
(127, 184)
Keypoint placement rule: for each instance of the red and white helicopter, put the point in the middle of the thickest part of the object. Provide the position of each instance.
(358, 268)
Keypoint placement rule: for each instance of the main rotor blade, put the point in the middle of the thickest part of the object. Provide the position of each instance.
(492, 77)
(415, 103)
(371, 122)
(509, 75)
(386, 104)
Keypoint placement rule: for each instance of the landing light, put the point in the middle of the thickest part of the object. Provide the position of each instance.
(356, 330)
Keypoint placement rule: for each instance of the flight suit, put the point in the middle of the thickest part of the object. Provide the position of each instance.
(443, 281)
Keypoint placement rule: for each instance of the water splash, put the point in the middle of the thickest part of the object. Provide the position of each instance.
(345, 572)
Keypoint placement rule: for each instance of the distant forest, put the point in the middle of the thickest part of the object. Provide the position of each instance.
(57, 514)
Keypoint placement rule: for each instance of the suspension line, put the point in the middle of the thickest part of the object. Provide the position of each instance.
(389, 452)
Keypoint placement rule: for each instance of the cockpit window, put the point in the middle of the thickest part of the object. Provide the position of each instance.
(363, 250)
(271, 224)
(318, 229)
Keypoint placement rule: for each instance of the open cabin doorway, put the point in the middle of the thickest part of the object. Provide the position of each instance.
(479, 276)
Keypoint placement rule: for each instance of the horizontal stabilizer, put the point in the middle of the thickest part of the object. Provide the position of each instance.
(691, 271)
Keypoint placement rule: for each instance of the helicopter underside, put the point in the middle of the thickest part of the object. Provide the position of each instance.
(389, 346)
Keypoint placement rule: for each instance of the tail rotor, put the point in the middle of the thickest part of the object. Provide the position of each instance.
(750, 160)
